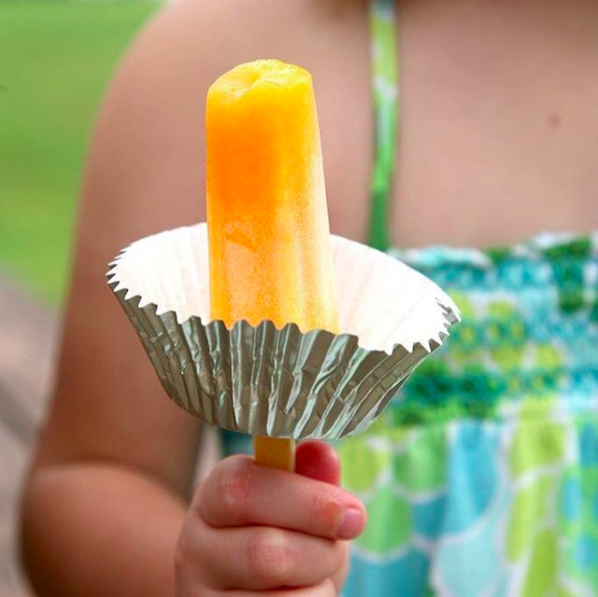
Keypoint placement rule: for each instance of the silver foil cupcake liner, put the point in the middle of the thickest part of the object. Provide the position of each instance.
(274, 382)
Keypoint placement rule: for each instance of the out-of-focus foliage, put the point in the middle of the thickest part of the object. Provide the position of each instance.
(56, 56)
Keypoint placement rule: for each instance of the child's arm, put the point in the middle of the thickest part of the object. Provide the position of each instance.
(105, 500)
(100, 529)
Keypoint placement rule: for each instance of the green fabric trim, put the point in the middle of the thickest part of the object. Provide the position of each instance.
(385, 93)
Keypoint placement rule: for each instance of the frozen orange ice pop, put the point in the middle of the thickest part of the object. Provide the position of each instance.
(269, 240)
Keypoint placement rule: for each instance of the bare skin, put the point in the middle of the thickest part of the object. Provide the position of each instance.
(499, 139)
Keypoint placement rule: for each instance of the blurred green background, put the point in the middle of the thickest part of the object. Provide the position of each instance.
(56, 57)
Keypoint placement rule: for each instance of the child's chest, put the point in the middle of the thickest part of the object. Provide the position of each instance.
(498, 135)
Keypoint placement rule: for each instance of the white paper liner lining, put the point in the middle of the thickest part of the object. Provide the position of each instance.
(381, 301)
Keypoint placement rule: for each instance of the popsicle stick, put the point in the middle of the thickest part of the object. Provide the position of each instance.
(275, 453)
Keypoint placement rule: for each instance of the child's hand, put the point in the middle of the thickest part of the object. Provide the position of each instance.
(253, 529)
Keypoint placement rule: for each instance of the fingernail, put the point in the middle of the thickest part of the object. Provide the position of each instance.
(351, 524)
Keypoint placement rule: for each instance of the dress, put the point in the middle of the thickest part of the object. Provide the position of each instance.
(481, 477)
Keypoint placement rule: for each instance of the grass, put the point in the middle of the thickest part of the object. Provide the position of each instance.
(56, 57)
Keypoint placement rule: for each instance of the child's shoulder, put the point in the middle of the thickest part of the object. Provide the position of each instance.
(222, 33)
(150, 128)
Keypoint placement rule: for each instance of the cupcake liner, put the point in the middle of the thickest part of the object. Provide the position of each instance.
(274, 382)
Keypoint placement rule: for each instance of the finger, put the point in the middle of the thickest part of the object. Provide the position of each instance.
(240, 493)
(325, 589)
(340, 576)
(265, 558)
(319, 461)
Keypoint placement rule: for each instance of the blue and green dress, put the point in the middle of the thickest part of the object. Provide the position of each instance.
(481, 478)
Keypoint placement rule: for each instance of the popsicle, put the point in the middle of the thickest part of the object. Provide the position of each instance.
(269, 240)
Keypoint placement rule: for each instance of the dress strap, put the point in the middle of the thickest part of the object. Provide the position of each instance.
(385, 92)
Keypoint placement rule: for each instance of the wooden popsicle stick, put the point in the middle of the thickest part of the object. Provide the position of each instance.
(275, 453)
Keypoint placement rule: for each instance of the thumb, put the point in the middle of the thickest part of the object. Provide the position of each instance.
(319, 461)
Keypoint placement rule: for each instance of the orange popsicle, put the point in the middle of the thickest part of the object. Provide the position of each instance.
(269, 240)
